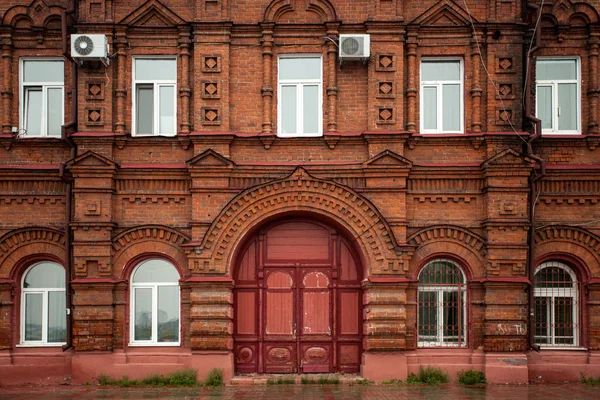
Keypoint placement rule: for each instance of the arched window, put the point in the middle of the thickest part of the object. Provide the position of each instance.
(43, 305)
(442, 305)
(155, 304)
(556, 305)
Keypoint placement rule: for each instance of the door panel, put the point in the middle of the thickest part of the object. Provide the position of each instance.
(297, 302)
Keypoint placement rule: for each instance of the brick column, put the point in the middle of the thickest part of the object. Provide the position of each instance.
(267, 86)
(412, 87)
(121, 91)
(185, 92)
(593, 90)
(332, 89)
(475, 85)
(7, 91)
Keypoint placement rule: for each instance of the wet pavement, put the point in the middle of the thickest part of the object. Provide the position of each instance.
(305, 392)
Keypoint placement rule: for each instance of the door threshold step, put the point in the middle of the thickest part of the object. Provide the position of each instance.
(295, 379)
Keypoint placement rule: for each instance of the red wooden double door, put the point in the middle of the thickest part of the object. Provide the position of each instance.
(297, 302)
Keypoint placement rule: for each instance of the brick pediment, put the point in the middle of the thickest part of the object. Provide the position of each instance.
(444, 13)
(508, 157)
(390, 159)
(38, 14)
(209, 158)
(91, 159)
(153, 14)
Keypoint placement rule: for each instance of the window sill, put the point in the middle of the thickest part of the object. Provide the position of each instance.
(299, 135)
(167, 344)
(563, 348)
(154, 134)
(29, 345)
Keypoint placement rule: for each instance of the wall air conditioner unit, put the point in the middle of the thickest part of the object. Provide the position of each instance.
(89, 47)
(354, 47)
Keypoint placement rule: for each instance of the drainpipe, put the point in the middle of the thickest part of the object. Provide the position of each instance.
(537, 133)
(72, 124)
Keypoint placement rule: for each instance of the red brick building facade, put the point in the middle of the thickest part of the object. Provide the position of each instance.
(223, 190)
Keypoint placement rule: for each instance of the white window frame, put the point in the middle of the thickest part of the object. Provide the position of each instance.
(440, 289)
(45, 295)
(551, 293)
(299, 84)
(154, 287)
(554, 85)
(156, 85)
(25, 88)
(439, 85)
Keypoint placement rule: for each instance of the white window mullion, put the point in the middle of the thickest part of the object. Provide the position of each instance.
(154, 314)
(45, 316)
(156, 107)
(440, 316)
(440, 104)
(299, 107)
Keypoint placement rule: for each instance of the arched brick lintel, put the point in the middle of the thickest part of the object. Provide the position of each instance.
(323, 8)
(154, 240)
(300, 193)
(27, 242)
(452, 242)
(578, 244)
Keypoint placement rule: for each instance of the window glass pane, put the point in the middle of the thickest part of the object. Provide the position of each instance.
(300, 68)
(567, 105)
(167, 109)
(451, 107)
(57, 317)
(441, 272)
(563, 320)
(542, 331)
(440, 71)
(33, 111)
(429, 111)
(311, 109)
(428, 316)
(451, 308)
(155, 69)
(168, 313)
(143, 314)
(145, 109)
(553, 277)
(43, 71)
(33, 316)
(556, 69)
(55, 111)
(156, 271)
(288, 109)
(544, 106)
(45, 275)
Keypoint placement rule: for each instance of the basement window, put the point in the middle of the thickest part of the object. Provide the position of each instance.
(557, 95)
(154, 96)
(42, 97)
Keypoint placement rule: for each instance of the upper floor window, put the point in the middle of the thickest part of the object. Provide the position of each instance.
(43, 305)
(556, 293)
(441, 96)
(155, 304)
(441, 305)
(42, 97)
(557, 94)
(154, 96)
(299, 106)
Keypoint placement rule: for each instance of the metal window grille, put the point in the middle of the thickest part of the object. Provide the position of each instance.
(441, 305)
(557, 297)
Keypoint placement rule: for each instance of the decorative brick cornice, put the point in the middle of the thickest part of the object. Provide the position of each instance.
(147, 232)
(452, 233)
(21, 237)
(299, 192)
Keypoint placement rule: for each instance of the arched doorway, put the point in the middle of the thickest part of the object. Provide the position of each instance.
(297, 301)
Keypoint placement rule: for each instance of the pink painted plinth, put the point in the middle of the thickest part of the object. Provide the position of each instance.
(506, 368)
(378, 367)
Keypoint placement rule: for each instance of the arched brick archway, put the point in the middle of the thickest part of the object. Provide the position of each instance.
(299, 193)
(297, 300)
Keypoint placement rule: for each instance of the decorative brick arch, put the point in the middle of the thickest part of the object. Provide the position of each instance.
(299, 193)
(39, 14)
(449, 240)
(26, 242)
(323, 8)
(577, 242)
(148, 239)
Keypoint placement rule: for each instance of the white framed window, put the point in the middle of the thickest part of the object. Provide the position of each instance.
(43, 305)
(558, 87)
(442, 305)
(154, 96)
(155, 304)
(442, 103)
(300, 95)
(41, 97)
(556, 293)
